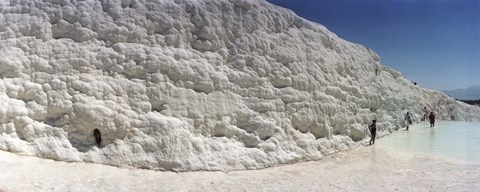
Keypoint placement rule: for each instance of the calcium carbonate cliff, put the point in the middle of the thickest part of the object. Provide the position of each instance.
(191, 85)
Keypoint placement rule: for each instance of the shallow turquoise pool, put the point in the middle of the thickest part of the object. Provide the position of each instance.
(449, 139)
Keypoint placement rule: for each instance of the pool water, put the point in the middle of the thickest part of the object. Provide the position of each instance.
(454, 140)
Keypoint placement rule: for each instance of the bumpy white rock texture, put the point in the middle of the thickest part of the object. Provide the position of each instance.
(191, 85)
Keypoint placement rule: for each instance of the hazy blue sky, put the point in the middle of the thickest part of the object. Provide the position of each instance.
(435, 43)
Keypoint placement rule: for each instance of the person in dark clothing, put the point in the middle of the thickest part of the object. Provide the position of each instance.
(432, 119)
(373, 131)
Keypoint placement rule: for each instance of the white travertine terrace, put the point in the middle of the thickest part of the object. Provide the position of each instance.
(190, 85)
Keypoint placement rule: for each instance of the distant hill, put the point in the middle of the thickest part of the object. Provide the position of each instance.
(472, 102)
(471, 93)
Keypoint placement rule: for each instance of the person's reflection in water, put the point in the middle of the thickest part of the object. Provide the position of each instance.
(373, 164)
(373, 153)
(431, 138)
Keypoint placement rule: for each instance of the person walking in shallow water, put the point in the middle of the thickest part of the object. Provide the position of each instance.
(425, 114)
(408, 120)
(432, 119)
(373, 131)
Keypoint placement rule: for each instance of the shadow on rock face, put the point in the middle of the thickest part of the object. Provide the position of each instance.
(98, 136)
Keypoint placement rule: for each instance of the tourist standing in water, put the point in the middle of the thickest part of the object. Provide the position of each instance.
(432, 119)
(373, 131)
(425, 114)
(408, 120)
